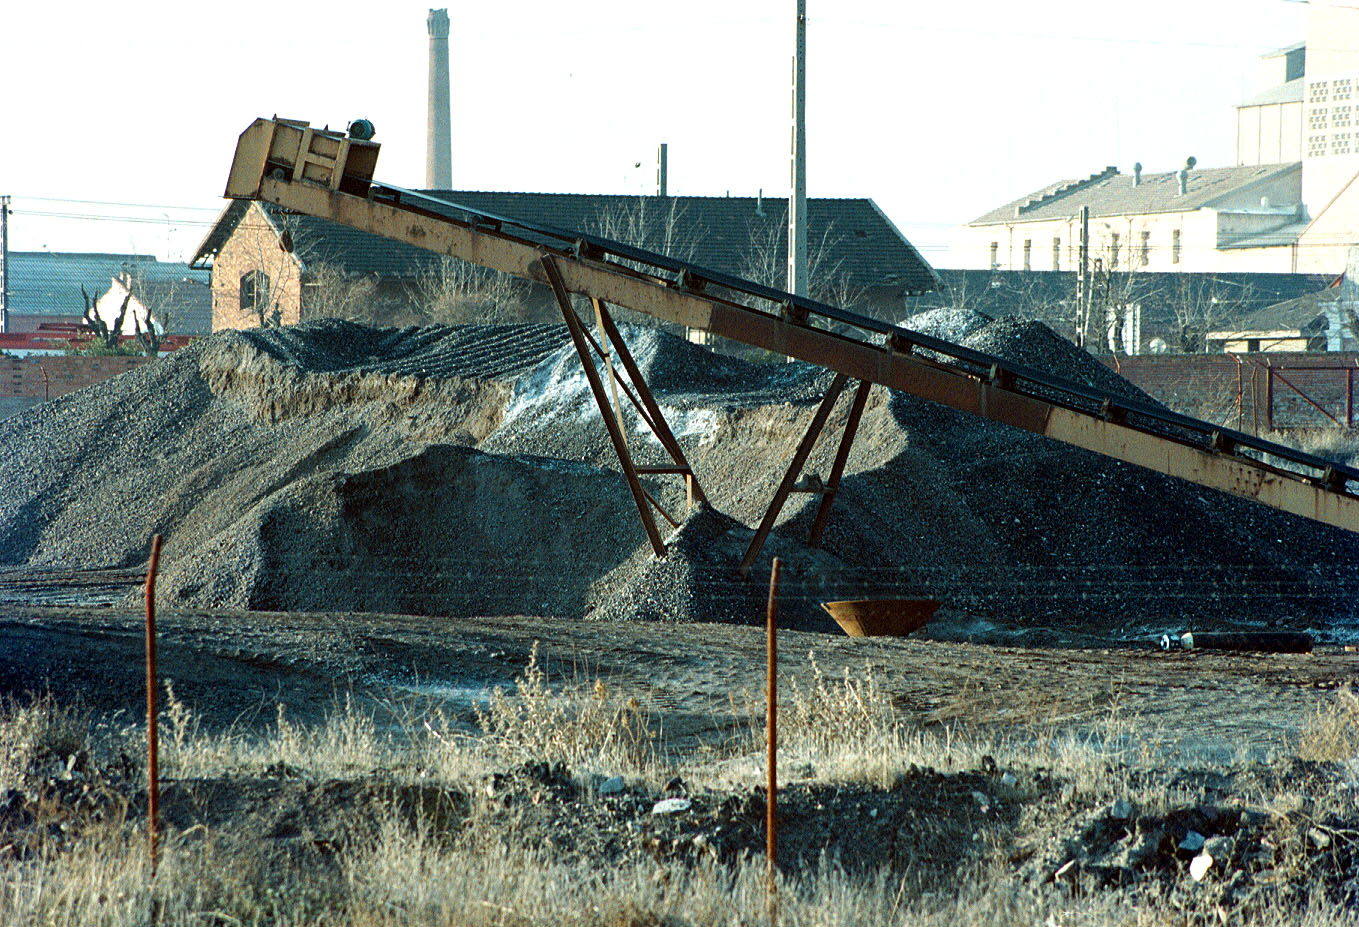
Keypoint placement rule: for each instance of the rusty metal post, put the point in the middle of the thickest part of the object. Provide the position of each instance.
(1349, 397)
(771, 813)
(152, 729)
(1269, 397)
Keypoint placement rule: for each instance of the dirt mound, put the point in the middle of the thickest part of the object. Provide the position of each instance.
(466, 470)
(697, 579)
(446, 531)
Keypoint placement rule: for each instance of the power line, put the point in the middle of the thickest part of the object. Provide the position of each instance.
(63, 199)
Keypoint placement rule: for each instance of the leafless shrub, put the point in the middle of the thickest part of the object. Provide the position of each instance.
(453, 292)
(331, 293)
(593, 724)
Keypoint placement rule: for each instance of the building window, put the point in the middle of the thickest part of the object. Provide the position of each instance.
(1317, 119)
(1316, 146)
(1340, 90)
(995, 255)
(1174, 246)
(1057, 254)
(1340, 117)
(254, 291)
(1340, 143)
(1028, 254)
(1318, 91)
(1114, 241)
(1145, 255)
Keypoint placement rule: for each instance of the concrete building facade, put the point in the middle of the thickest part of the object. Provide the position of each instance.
(1289, 205)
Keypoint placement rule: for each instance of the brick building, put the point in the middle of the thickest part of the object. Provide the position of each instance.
(273, 267)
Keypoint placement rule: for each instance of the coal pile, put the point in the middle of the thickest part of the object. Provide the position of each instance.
(466, 471)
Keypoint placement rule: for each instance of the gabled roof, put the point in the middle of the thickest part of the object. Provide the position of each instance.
(1287, 92)
(49, 282)
(711, 231)
(183, 304)
(1300, 314)
(1114, 194)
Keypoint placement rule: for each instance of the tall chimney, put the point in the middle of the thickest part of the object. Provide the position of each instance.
(439, 144)
(662, 170)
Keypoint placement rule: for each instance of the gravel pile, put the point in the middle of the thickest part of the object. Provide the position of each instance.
(696, 581)
(466, 471)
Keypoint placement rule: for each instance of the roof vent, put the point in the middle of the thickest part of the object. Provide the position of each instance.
(1064, 189)
(1183, 174)
(1137, 174)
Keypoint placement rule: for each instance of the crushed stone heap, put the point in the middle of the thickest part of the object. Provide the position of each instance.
(466, 471)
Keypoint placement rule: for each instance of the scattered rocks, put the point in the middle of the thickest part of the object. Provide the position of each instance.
(672, 806)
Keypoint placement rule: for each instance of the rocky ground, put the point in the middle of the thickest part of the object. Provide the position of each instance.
(1195, 782)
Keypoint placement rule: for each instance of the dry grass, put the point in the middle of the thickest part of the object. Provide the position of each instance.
(580, 725)
(846, 729)
(1332, 733)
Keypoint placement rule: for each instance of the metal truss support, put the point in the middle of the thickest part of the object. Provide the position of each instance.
(789, 482)
(856, 411)
(609, 346)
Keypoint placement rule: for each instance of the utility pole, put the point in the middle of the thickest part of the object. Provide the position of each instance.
(663, 170)
(797, 200)
(1083, 288)
(4, 265)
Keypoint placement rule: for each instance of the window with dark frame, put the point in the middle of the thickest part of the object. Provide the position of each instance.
(254, 291)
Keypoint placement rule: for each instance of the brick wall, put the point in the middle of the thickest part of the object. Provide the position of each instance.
(56, 375)
(1252, 392)
(254, 245)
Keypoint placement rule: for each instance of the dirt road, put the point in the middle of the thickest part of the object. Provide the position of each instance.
(233, 665)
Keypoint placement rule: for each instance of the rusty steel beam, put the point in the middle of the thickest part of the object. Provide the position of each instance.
(620, 444)
(650, 409)
(792, 336)
(856, 411)
(804, 450)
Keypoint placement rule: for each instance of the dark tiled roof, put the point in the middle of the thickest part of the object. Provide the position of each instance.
(1294, 314)
(859, 240)
(49, 282)
(184, 301)
(1115, 194)
(1047, 295)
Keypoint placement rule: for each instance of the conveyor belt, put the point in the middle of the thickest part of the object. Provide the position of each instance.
(323, 174)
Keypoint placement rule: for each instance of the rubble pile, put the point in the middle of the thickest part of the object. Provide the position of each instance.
(466, 471)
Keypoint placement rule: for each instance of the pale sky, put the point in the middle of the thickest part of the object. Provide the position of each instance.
(938, 111)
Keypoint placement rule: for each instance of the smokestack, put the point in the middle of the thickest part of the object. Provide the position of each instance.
(662, 171)
(439, 144)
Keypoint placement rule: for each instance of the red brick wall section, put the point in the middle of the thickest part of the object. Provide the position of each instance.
(1233, 389)
(56, 375)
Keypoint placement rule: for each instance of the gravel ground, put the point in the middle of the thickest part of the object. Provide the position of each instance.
(466, 471)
